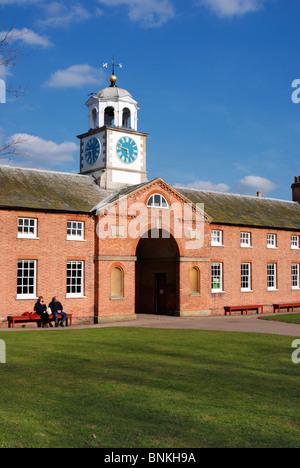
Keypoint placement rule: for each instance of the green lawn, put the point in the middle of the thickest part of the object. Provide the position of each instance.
(289, 318)
(133, 387)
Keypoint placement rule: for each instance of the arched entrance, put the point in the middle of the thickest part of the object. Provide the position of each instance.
(157, 274)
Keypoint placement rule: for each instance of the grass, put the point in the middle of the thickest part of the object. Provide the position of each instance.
(133, 387)
(289, 318)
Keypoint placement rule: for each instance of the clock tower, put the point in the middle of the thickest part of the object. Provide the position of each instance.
(113, 151)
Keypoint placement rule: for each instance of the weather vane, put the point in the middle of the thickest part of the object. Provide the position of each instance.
(113, 77)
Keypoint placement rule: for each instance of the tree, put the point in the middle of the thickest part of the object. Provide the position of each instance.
(10, 57)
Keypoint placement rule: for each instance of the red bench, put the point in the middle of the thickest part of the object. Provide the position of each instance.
(243, 309)
(277, 307)
(30, 318)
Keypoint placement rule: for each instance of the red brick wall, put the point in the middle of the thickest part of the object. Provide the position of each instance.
(52, 250)
(232, 255)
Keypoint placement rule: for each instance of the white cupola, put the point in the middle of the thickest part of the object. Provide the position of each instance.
(112, 150)
(113, 107)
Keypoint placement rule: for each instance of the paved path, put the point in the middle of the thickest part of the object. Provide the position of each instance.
(239, 323)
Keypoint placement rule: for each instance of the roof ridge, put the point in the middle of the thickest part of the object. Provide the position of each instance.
(234, 194)
(42, 170)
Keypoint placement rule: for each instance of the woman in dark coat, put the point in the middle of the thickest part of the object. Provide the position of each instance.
(41, 309)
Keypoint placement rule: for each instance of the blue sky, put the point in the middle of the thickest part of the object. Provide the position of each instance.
(213, 79)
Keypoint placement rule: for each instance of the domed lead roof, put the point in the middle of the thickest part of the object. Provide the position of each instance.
(112, 93)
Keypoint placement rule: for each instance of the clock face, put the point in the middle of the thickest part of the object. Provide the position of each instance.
(127, 150)
(92, 151)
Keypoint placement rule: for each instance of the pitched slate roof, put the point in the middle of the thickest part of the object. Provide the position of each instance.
(48, 190)
(242, 210)
(32, 189)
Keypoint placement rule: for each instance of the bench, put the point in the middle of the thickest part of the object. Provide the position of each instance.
(243, 309)
(12, 319)
(277, 307)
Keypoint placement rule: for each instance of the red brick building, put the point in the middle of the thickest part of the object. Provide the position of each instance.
(110, 244)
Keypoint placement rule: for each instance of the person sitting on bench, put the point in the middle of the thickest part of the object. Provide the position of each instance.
(41, 309)
(57, 309)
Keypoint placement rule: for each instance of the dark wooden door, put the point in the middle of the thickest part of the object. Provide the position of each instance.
(160, 303)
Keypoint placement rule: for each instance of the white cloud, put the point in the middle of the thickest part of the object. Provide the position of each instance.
(61, 14)
(149, 13)
(18, 2)
(233, 7)
(207, 185)
(250, 185)
(27, 36)
(75, 77)
(43, 153)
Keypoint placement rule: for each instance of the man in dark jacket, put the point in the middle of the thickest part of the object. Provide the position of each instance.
(57, 309)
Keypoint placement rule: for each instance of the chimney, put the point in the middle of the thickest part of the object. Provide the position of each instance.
(296, 189)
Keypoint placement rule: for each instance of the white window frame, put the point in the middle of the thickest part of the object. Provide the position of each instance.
(71, 263)
(75, 226)
(31, 225)
(21, 264)
(154, 203)
(295, 242)
(295, 276)
(246, 280)
(272, 241)
(217, 278)
(216, 238)
(245, 239)
(272, 277)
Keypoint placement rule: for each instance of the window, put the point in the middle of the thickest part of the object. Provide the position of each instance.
(26, 282)
(157, 201)
(272, 276)
(217, 277)
(95, 118)
(27, 228)
(75, 279)
(246, 277)
(245, 239)
(271, 241)
(296, 276)
(75, 230)
(117, 283)
(194, 281)
(295, 242)
(126, 118)
(109, 117)
(216, 238)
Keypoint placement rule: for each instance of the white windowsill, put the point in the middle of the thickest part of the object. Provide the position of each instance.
(23, 298)
(27, 237)
(75, 296)
(217, 292)
(217, 245)
(78, 239)
(295, 288)
(246, 246)
(271, 247)
(246, 290)
(272, 289)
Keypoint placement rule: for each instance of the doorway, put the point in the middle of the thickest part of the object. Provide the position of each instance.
(157, 274)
